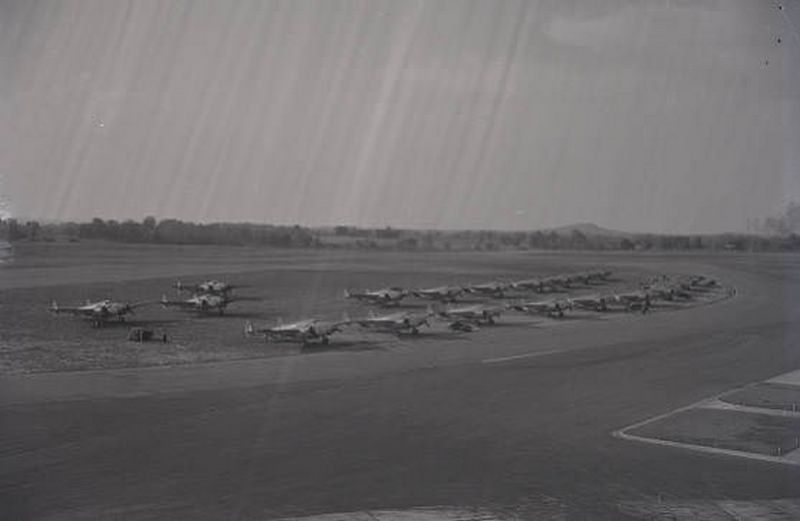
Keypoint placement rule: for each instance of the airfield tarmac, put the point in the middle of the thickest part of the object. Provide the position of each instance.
(515, 421)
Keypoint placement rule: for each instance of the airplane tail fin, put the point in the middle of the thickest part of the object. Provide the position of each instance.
(164, 301)
(347, 293)
(248, 329)
(54, 307)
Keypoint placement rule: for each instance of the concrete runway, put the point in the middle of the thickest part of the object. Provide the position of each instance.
(516, 422)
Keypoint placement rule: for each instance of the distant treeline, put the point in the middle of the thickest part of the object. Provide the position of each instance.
(168, 231)
(172, 231)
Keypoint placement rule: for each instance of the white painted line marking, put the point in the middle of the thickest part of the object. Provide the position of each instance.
(790, 458)
(719, 404)
(714, 402)
(792, 378)
(418, 514)
(524, 355)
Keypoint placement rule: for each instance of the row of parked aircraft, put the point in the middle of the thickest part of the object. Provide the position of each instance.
(214, 296)
(494, 289)
(210, 296)
(470, 317)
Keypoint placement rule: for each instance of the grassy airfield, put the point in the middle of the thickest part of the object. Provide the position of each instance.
(281, 284)
(598, 416)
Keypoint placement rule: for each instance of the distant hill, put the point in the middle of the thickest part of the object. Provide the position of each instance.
(590, 230)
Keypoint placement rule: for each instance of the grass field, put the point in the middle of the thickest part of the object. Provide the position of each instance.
(284, 284)
(722, 429)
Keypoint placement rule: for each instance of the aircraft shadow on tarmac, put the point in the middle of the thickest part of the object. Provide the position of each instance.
(587, 315)
(351, 346)
(144, 323)
(229, 314)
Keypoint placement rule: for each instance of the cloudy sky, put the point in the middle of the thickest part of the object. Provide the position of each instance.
(668, 115)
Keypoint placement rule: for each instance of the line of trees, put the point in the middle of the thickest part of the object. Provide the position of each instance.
(168, 231)
(173, 231)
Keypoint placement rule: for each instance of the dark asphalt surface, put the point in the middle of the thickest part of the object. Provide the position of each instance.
(426, 425)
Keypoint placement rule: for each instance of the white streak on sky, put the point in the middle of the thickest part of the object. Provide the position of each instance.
(667, 116)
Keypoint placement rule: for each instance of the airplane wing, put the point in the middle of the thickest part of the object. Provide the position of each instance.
(137, 305)
(183, 304)
(55, 308)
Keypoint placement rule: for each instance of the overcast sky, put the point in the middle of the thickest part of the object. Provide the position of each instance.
(670, 115)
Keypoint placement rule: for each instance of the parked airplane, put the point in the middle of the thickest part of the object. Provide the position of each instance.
(490, 289)
(384, 297)
(557, 281)
(537, 285)
(550, 308)
(397, 323)
(201, 303)
(101, 311)
(701, 281)
(475, 314)
(303, 331)
(214, 287)
(600, 275)
(635, 300)
(591, 303)
(666, 292)
(440, 293)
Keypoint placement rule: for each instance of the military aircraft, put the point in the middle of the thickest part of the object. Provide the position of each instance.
(303, 331)
(550, 308)
(578, 278)
(491, 289)
(591, 303)
(599, 275)
(201, 303)
(528, 285)
(212, 287)
(101, 311)
(701, 281)
(536, 285)
(396, 323)
(384, 297)
(632, 300)
(440, 293)
(475, 314)
(666, 292)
